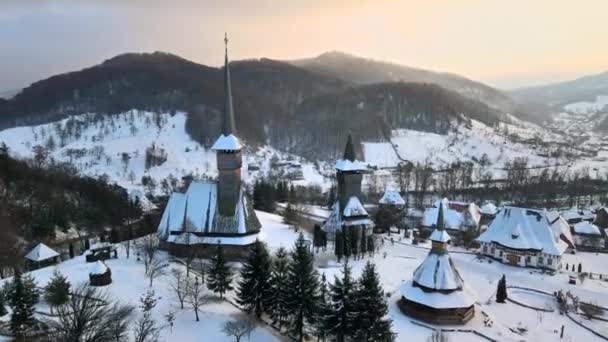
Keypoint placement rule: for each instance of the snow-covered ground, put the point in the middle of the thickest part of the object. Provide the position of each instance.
(500, 144)
(395, 264)
(95, 146)
(129, 283)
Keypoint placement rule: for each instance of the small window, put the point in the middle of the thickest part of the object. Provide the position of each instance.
(528, 259)
(500, 254)
(485, 249)
(549, 261)
(540, 260)
(492, 250)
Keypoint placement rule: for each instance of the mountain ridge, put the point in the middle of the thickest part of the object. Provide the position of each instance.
(269, 97)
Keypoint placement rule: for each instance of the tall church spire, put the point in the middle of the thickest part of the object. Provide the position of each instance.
(439, 225)
(228, 126)
(349, 152)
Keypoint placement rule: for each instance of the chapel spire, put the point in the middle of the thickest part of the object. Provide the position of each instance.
(349, 152)
(228, 126)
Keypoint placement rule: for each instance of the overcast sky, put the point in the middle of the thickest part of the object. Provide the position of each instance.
(504, 43)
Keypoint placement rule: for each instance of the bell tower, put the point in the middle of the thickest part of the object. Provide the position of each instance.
(349, 172)
(228, 151)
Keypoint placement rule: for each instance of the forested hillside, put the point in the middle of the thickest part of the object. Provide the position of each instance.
(41, 197)
(292, 108)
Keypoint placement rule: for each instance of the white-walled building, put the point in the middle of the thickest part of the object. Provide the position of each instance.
(527, 238)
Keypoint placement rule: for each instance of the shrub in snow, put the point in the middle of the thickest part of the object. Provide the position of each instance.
(501, 291)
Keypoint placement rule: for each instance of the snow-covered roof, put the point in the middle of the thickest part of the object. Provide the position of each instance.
(98, 268)
(438, 300)
(456, 215)
(354, 214)
(576, 214)
(437, 272)
(227, 143)
(347, 165)
(41, 252)
(354, 208)
(392, 197)
(440, 235)
(532, 229)
(489, 209)
(197, 211)
(585, 227)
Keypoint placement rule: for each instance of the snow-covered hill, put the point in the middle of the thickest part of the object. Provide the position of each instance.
(543, 146)
(115, 146)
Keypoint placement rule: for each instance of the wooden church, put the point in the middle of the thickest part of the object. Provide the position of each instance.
(437, 293)
(213, 212)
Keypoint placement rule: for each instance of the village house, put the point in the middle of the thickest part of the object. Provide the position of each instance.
(488, 213)
(588, 237)
(458, 217)
(574, 216)
(601, 218)
(527, 237)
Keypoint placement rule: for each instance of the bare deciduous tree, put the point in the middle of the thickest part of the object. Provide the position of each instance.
(240, 327)
(180, 286)
(156, 268)
(196, 297)
(90, 315)
(148, 246)
(146, 328)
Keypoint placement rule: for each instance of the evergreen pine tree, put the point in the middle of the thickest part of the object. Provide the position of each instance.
(3, 310)
(341, 319)
(303, 285)
(23, 297)
(371, 308)
(346, 242)
(57, 291)
(290, 214)
(278, 311)
(339, 245)
(257, 195)
(331, 197)
(363, 246)
(254, 289)
(370, 245)
(580, 267)
(323, 310)
(354, 241)
(501, 290)
(219, 278)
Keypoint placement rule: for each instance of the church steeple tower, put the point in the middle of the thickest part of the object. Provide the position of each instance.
(228, 150)
(349, 172)
(439, 238)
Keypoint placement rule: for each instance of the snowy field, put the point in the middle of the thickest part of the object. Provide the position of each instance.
(395, 264)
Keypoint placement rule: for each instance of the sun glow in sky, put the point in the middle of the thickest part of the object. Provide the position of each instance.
(504, 43)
